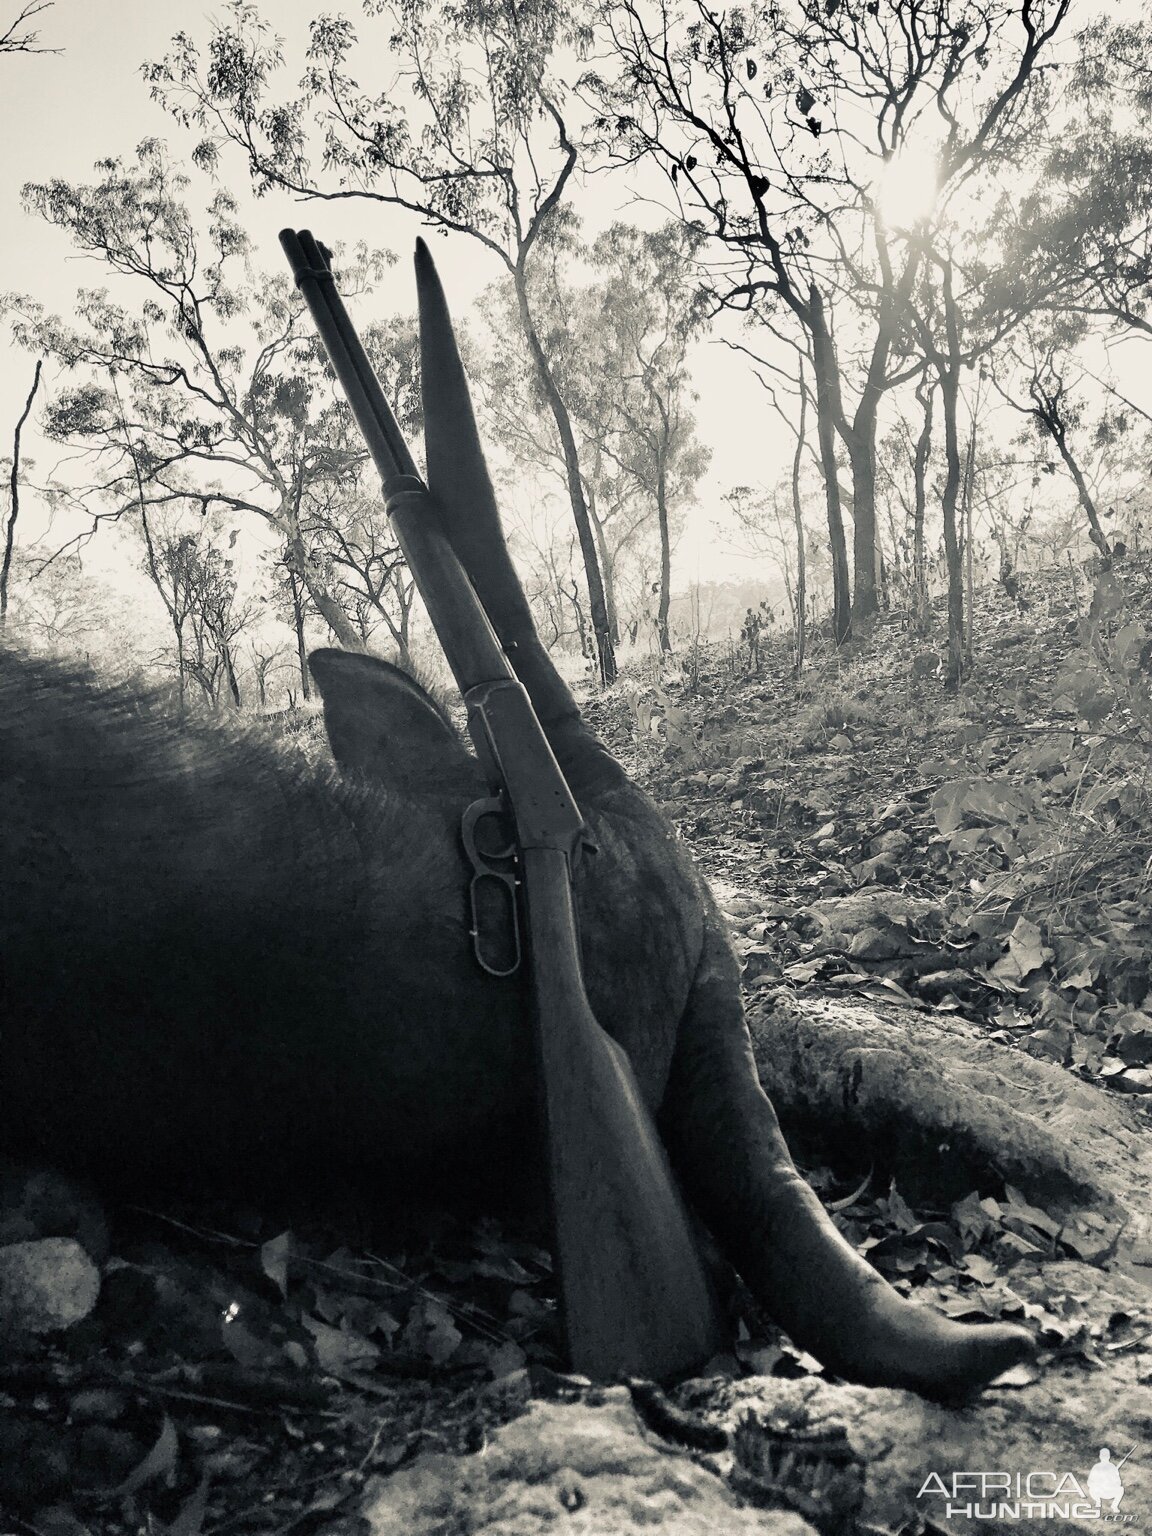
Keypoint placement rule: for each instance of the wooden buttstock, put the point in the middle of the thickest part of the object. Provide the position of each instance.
(634, 1292)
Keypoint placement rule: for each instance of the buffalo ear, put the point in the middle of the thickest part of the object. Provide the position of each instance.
(381, 723)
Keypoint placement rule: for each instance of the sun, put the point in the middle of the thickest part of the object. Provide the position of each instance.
(907, 187)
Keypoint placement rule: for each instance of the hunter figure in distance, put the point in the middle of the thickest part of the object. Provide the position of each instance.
(215, 959)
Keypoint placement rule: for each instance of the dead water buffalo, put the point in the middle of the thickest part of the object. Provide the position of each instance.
(215, 960)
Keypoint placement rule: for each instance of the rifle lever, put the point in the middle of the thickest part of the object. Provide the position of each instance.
(492, 891)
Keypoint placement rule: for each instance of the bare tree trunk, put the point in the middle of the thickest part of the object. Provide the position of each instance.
(969, 554)
(861, 438)
(598, 609)
(1095, 531)
(826, 435)
(207, 686)
(403, 630)
(230, 673)
(1048, 411)
(329, 609)
(14, 495)
(801, 554)
(866, 587)
(298, 626)
(587, 646)
(177, 612)
(950, 395)
(607, 570)
(925, 393)
(665, 536)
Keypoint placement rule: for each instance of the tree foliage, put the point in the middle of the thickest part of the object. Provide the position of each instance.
(781, 130)
(481, 145)
(200, 387)
(619, 336)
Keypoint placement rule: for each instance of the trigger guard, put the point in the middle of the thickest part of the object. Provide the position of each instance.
(473, 815)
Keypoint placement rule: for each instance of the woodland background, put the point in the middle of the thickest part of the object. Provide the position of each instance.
(781, 316)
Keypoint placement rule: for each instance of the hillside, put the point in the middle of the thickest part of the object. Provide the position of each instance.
(940, 905)
(1012, 817)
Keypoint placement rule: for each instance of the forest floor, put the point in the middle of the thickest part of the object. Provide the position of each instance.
(941, 896)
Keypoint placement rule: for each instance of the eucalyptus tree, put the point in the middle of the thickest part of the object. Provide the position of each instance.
(18, 35)
(520, 421)
(1077, 235)
(619, 336)
(196, 581)
(904, 455)
(59, 603)
(1043, 373)
(1077, 244)
(942, 337)
(1054, 407)
(467, 126)
(199, 384)
(648, 312)
(794, 134)
(13, 515)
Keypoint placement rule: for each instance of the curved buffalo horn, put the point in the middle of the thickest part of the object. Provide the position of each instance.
(720, 1127)
(458, 479)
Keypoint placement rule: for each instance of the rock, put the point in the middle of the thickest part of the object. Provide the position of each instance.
(570, 1468)
(832, 923)
(45, 1285)
(881, 870)
(37, 1202)
(736, 902)
(937, 985)
(98, 1405)
(881, 943)
(893, 843)
(896, 810)
(763, 799)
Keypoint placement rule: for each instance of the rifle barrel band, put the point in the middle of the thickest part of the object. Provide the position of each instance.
(319, 273)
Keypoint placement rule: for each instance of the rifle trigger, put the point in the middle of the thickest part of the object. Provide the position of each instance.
(492, 892)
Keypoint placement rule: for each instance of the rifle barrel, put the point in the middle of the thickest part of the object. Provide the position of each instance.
(474, 653)
(312, 270)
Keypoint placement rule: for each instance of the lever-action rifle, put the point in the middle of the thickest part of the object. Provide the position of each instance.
(634, 1296)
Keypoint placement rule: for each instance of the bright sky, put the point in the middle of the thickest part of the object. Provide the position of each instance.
(61, 112)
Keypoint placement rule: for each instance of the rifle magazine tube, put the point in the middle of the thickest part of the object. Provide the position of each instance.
(462, 627)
